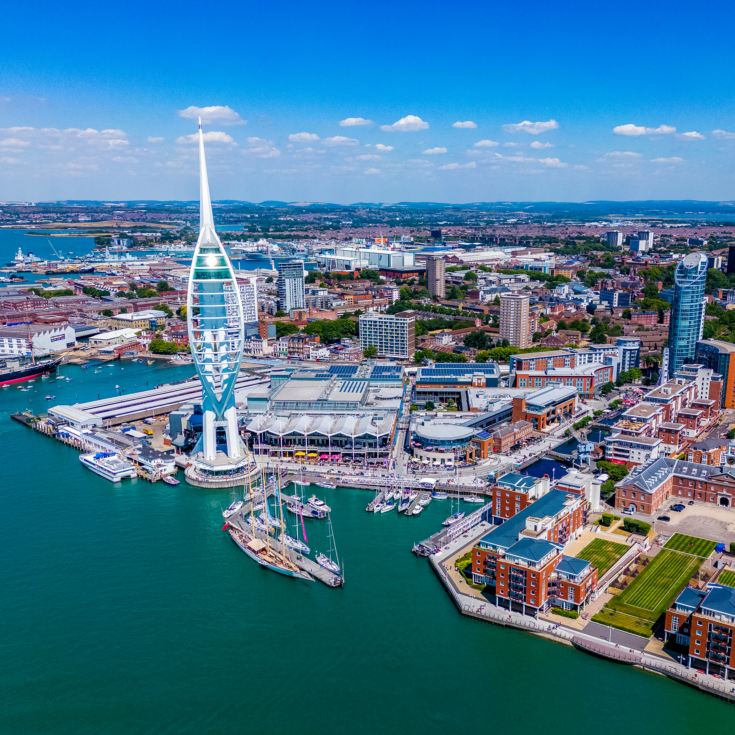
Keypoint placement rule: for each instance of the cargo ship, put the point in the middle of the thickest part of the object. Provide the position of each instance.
(17, 369)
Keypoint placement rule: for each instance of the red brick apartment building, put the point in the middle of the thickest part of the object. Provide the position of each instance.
(523, 558)
(514, 492)
(648, 487)
(702, 622)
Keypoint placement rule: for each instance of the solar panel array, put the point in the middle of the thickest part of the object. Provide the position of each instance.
(343, 371)
(386, 372)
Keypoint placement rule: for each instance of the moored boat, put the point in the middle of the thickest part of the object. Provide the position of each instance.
(324, 561)
(232, 508)
(317, 503)
(454, 518)
(109, 465)
(473, 499)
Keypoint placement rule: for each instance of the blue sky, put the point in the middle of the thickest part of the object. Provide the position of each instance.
(631, 101)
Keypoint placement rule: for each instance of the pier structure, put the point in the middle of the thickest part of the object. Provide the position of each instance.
(215, 321)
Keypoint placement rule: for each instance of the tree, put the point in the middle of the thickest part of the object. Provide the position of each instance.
(429, 405)
(181, 311)
(283, 329)
(165, 308)
(162, 286)
(106, 312)
(470, 276)
(477, 340)
(607, 388)
(370, 351)
(160, 346)
(280, 313)
(627, 314)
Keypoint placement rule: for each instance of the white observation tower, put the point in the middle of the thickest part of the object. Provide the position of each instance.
(214, 318)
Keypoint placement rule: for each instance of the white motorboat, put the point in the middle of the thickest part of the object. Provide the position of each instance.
(473, 499)
(109, 465)
(319, 504)
(232, 508)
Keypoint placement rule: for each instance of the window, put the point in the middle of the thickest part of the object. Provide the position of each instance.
(674, 624)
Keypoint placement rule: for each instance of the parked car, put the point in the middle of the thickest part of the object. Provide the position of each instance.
(691, 502)
(678, 508)
(664, 518)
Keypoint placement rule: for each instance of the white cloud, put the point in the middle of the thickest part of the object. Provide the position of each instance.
(340, 140)
(211, 136)
(532, 128)
(537, 145)
(435, 151)
(9, 160)
(24, 136)
(383, 148)
(457, 166)
(212, 113)
(13, 143)
(621, 155)
(407, 124)
(261, 148)
(372, 171)
(552, 163)
(633, 130)
(486, 143)
(354, 122)
(465, 124)
(723, 134)
(672, 160)
(154, 139)
(303, 137)
(367, 157)
(692, 135)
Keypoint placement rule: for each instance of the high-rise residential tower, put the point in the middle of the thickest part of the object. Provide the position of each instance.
(290, 286)
(515, 322)
(392, 335)
(435, 276)
(215, 325)
(249, 297)
(687, 309)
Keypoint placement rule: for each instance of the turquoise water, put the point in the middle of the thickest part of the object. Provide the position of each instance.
(127, 610)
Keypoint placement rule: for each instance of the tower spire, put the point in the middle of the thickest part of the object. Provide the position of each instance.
(206, 219)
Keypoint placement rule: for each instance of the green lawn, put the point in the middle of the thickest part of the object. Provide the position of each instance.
(645, 599)
(691, 545)
(727, 578)
(602, 554)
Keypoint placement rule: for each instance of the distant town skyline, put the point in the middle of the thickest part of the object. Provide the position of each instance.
(415, 102)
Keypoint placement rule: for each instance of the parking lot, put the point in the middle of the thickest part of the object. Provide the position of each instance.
(702, 520)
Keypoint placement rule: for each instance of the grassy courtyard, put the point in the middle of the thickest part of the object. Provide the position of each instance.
(602, 554)
(638, 607)
(691, 545)
(727, 578)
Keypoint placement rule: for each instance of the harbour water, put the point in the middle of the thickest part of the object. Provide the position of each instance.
(126, 609)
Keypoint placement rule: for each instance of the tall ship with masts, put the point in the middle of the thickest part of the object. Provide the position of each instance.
(257, 542)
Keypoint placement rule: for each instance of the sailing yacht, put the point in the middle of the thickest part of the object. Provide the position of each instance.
(330, 560)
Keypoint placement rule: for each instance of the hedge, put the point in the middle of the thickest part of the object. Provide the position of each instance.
(636, 526)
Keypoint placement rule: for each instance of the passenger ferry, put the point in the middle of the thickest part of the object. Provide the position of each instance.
(109, 465)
